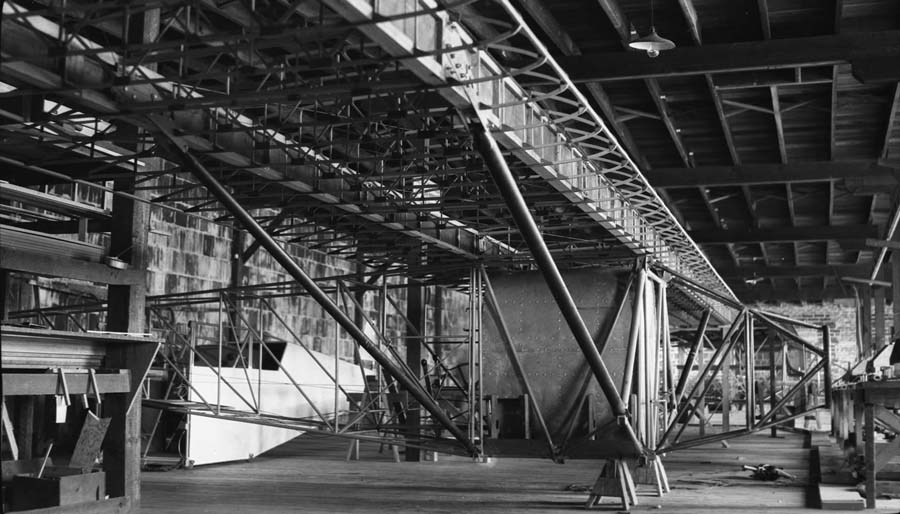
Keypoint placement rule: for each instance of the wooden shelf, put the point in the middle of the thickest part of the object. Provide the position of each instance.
(21, 384)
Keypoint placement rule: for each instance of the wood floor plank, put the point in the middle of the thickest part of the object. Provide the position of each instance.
(309, 474)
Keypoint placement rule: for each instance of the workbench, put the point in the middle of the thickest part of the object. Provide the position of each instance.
(856, 408)
(108, 367)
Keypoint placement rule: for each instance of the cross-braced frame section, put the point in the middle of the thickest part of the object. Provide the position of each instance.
(774, 368)
(223, 361)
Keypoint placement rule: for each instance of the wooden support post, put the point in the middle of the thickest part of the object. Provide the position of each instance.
(895, 293)
(858, 409)
(129, 231)
(122, 454)
(772, 400)
(869, 410)
(352, 450)
(438, 323)
(847, 402)
(879, 319)
(701, 409)
(615, 480)
(4, 292)
(726, 393)
(749, 355)
(25, 426)
(866, 320)
(415, 312)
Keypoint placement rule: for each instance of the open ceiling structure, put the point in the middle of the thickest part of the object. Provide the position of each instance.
(769, 131)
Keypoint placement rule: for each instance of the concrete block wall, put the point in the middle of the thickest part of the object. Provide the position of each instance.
(191, 253)
(186, 253)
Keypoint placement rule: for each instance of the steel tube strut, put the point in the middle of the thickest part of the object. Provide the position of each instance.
(692, 356)
(321, 297)
(506, 183)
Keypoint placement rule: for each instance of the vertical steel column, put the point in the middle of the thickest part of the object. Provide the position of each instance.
(337, 362)
(751, 377)
(470, 386)
(826, 356)
(479, 390)
(506, 183)
(219, 363)
(320, 296)
(415, 315)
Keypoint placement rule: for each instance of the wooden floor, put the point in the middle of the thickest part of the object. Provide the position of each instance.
(310, 475)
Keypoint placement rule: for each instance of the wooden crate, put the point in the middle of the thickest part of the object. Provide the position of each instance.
(58, 486)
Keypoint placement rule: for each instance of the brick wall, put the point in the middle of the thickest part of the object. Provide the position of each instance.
(840, 316)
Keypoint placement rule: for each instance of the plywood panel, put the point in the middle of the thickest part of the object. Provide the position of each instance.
(214, 440)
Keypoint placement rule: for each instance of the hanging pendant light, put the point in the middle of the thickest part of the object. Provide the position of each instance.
(652, 43)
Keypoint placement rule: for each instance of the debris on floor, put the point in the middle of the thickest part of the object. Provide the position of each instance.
(768, 472)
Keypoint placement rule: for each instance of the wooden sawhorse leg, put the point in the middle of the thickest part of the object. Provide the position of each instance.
(615, 480)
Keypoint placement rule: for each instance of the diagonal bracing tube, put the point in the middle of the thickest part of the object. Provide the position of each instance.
(506, 183)
(321, 297)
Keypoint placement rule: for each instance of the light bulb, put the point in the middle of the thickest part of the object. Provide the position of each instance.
(653, 52)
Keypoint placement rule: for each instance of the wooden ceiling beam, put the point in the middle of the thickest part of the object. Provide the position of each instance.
(838, 14)
(730, 57)
(723, 120)
(832, 127)
(891, 121)
(551, 26)
(619, 21)
(764, 23)
(690, 17)
(616, 17)
(659, 99)
(717, 221)
(785, 234)
(770, 294)
(792, 214)
(788, 272)
(762, 174)
(779, 123)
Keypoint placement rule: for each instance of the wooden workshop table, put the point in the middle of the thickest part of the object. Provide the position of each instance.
(35, 362)
(855, 408)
